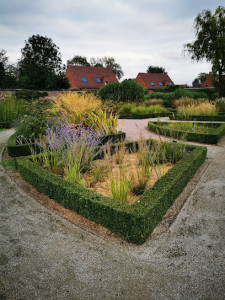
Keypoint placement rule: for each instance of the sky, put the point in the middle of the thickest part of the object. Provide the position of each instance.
(137, 33)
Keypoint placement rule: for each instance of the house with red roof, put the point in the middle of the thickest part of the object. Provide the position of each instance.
(154, 80)
(84, 77)
(210, 80)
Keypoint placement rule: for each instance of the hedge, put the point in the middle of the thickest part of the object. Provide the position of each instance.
(24, 149)
(5, 124)
(134, 222)
(200, 118)
(144, 116)
(190, 136)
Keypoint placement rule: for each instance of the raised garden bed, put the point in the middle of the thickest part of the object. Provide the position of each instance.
(216, 131)
(15, 150)
(134, 222)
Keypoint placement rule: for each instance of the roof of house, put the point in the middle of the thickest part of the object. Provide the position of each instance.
(154, 80)
(83, 77)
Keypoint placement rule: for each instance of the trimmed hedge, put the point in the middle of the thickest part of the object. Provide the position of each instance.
(200, 118)
(134, 222)
(24, 150)
(5, 124)
(190, 136)
(144, 116)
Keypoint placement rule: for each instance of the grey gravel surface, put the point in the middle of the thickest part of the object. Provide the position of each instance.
(43, 256)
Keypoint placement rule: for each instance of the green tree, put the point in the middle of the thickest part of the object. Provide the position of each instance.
(40, 64)
(210, 43)
(78, 60)
(199, 79)
(8, 72)
(155, 69)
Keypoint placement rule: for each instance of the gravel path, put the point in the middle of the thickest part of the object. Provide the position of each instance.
(43, 256)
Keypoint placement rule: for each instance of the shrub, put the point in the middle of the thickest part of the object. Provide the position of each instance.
(30, 94)
(133, 109)
(128, 90)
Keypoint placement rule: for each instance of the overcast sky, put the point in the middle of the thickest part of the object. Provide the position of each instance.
(137, 33)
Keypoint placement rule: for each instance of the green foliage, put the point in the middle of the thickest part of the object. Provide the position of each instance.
(220, 104)
(210, 42)
(11, 109)
(78, 60)
(40, 66)
(8, 72)
(134, 222)
(199, 79)
(131, 108)
(30, 94)
(152, 69)
(34, 122)
(218, 130)
(127, 90)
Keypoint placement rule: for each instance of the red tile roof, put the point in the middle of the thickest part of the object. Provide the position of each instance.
(146, 79)
(75, 73)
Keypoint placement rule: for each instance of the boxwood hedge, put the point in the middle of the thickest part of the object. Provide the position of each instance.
(134, 222)
(190, 136)
(144, 116)
(220, 117)
(5, 125)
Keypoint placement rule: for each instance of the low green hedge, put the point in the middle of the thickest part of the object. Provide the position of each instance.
(200, 118)
(190, 136)
(5, 125)
(134, 222)
(24, 150)
(144, 116)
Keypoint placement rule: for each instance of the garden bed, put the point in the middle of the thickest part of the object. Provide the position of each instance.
(213, 133)
(15, 150)
(134, 222)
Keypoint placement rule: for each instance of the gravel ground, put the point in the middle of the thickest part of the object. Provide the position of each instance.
(43, 256)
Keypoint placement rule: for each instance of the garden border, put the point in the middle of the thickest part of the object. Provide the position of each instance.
(199, 118)
(134, 222)
(5, 125)
(190, 136)
(144, 116)
(24, 150)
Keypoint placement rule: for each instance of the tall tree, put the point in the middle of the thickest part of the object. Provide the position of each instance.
(155, 69)
(8, 72)
(199, 79)
(40, 63)
(78, 60)
(210, 43)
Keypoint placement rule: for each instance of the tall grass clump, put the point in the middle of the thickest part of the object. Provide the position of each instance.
(11, 108)
(203, 109)
(75, 105)
(184, 101)
(154, 102)
(133, 109)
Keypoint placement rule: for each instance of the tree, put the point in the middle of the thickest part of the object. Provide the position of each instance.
(40, 63)
(199, 79)
(8, 72)
(78, 60)
(157, 69)
(210, 43)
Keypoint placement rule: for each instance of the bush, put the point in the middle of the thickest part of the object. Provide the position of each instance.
(128, 90)
(134, 222)
(30, 94)
(133, 109)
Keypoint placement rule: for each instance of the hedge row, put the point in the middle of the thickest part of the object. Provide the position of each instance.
(190, 136)
(5, 124)
(144, 116)
(134, 222)
(15, 150)
(200, 118)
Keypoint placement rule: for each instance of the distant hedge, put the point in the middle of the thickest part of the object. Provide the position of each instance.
(5, 125)
(219, 117)
(30, 94)
(134, 222)
(144, 116)
(189, 136)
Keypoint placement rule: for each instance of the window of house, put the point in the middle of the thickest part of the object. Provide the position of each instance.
(106, 82)
(83, 79)
(152, 83)
(160, 83)
(98, 80)
(170, 83)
